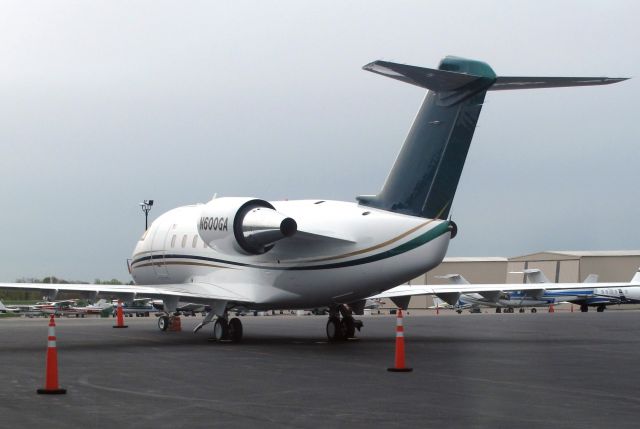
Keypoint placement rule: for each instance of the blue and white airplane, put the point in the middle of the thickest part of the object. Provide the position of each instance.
(510, 299)
(538, 291)
(595, 294)
(247, 252)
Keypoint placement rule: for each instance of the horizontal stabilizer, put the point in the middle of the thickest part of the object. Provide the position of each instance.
(513, 82)
(433, 79)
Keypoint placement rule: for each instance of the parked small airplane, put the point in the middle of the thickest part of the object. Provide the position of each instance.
(139, 307)
(98, 307)
(61, 308)
(21, 309)
(251, 253)
(10, 309)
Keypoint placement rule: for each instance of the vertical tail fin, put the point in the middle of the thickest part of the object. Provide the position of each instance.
(636, 277)
(426, 173)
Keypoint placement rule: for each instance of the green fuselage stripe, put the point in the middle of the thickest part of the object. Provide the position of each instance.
(422, 239)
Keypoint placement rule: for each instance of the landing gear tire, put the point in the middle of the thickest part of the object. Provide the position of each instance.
(459, 311)
(533, 310)
(521, 310)
(600, 308)
(221, 330)
(584, 308)
(499, 310)
(235, 330)
(163, 323)
(334, 329)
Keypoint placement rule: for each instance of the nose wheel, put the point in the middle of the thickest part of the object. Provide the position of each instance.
(163, 323)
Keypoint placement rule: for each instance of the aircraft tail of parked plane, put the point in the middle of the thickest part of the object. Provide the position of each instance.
(425, 176)
(244, 252)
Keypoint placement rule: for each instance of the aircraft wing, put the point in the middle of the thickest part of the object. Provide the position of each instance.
(196, 292)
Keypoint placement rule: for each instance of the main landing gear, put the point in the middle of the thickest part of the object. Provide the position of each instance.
(584, 308)
(225, 330)
(340, 329)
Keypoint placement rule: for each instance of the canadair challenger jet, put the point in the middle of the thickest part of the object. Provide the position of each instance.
(246, 252)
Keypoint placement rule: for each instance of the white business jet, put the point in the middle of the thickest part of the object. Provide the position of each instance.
(246, 252)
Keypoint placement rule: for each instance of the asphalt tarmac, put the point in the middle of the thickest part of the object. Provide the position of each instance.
(562, 370)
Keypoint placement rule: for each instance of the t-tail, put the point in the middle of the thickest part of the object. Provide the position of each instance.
(426, 173)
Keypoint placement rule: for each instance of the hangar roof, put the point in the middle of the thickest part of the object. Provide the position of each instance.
(558, 255)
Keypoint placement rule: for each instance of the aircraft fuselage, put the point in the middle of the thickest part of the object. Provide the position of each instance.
(341, 253)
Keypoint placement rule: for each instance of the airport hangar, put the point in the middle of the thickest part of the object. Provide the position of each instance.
(557, 266)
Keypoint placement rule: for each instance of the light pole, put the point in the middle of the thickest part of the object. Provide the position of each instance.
(146, 207)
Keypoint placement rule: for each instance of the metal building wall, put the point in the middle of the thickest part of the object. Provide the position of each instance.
(610, 268)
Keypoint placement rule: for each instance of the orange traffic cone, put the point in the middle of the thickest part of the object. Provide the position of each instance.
(400, 366)
(51, 384)
(551, 309)
(120, 315)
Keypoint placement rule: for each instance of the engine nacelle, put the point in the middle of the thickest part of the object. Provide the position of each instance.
(245, 225)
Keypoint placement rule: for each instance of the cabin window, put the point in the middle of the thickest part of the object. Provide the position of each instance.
(184, 240)
(173, 241)
(195, 241)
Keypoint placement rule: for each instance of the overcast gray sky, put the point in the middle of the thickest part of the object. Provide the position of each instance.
(106, 103)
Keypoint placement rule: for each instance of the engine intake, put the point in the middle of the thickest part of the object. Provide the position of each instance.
(243, 225)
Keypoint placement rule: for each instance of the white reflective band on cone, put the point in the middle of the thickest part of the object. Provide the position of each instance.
(399, 334)
(52, 331)
(51, 344)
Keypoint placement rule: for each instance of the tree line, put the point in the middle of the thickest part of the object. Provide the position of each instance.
(19, 295)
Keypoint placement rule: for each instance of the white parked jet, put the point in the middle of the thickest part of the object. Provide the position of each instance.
(251, 253)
